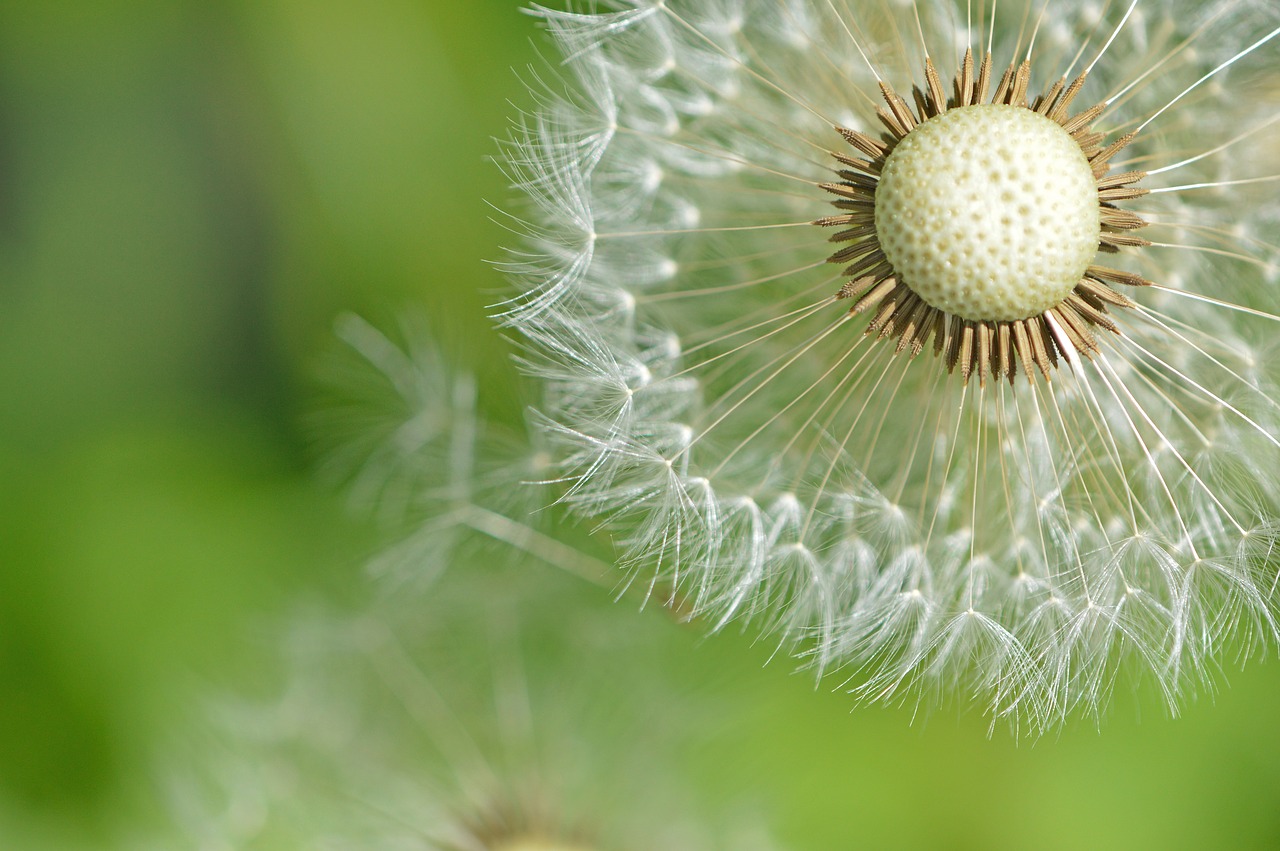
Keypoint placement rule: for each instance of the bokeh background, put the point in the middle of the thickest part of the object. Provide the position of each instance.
(189, 194)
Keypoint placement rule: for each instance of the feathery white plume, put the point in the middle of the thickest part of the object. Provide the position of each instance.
(920, 523)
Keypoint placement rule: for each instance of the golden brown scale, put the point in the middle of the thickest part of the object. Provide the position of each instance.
(984, 348)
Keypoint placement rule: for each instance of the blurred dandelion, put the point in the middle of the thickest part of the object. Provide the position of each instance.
(402, 434)
(467, 716)
(472, 721)
(1040, 450)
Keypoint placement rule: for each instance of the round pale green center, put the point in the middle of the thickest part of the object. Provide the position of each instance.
(989, 212)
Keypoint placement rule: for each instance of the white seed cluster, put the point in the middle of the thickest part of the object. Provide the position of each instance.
(989, 212)
(713, 408)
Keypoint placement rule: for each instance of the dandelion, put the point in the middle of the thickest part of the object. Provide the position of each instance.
(466, 716)
(471, 721)
(401, 431)
(1000, 425)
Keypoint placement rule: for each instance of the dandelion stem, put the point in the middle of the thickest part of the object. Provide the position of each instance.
(536, 544)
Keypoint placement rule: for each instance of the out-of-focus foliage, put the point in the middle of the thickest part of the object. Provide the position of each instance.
(189, 194)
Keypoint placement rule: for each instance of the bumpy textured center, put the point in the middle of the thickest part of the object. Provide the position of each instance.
(989, 212)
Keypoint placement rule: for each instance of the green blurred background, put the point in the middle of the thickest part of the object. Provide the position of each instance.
(189, 194)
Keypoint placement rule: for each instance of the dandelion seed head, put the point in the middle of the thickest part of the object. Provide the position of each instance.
(1015, 510)
(989, 211)
(430, 725)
